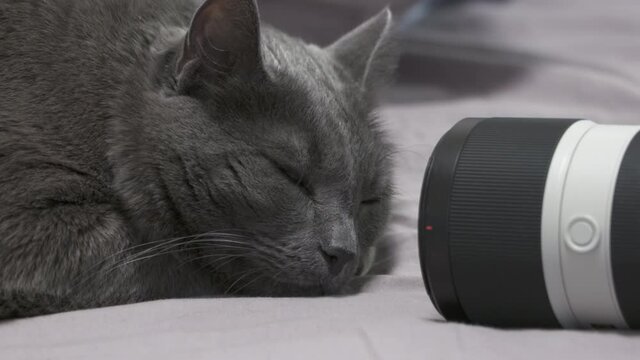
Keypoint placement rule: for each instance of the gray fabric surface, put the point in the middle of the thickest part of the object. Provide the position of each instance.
(574, 58)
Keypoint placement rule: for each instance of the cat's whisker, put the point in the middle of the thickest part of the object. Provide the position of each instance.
(163, 242)
(220, 266)
(403, 150)
(250, 251)
(247, 273)
(219, 241)
(273, 277)
(255, 253)
(166, 251)
(196, 238)
(166, 248)
(260, 276)
(219, 257)
(120, 252)
(158, 244)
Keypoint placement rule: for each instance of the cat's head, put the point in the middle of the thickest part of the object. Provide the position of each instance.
(270, 146)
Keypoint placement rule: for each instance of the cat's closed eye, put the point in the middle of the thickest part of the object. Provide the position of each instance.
(371, 201)
(294, 177)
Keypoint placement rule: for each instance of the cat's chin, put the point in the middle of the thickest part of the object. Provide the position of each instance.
(290, 289)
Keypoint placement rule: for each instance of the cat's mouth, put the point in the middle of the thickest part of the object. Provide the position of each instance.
(283, 287)
(290, 289)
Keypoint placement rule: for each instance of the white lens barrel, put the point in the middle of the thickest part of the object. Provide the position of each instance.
(576, 223)
(551, 210)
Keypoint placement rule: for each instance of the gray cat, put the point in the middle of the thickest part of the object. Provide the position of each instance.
(159, 149)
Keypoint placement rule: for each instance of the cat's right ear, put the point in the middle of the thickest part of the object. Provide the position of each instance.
(223, 41)
(368, 53)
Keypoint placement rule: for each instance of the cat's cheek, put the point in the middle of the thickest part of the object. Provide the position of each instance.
(371, 220)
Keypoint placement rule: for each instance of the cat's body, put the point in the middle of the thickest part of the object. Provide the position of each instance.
(115, 136)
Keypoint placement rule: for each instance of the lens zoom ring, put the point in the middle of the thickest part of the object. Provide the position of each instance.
(625, 234)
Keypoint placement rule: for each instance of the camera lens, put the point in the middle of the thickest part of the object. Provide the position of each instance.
(530, 223)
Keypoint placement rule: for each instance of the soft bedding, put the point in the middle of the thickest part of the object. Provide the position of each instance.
(573, 58)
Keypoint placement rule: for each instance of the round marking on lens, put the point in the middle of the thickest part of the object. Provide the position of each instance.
(582, 234)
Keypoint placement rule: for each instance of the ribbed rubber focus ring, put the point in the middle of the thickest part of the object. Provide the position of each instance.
(494, 221)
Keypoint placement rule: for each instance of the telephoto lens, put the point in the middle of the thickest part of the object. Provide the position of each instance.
(528, 222)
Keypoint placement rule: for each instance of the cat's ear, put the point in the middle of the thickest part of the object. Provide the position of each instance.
(368, 52)
(223, 40)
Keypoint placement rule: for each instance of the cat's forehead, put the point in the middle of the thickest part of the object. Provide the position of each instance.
(325, 131)
(328, 118)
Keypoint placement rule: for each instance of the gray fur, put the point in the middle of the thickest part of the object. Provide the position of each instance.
(136, 166)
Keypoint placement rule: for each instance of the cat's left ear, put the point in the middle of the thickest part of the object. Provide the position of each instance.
(368, 52)
(223, 41)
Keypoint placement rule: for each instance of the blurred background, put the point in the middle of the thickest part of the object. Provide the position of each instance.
(465, 48)
(423, 26)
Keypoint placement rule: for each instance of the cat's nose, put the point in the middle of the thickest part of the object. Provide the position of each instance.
(337, 257)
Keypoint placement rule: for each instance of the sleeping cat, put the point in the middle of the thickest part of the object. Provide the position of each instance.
(163, 148)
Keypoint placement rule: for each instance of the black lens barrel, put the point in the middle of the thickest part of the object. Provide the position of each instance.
(479, 227)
